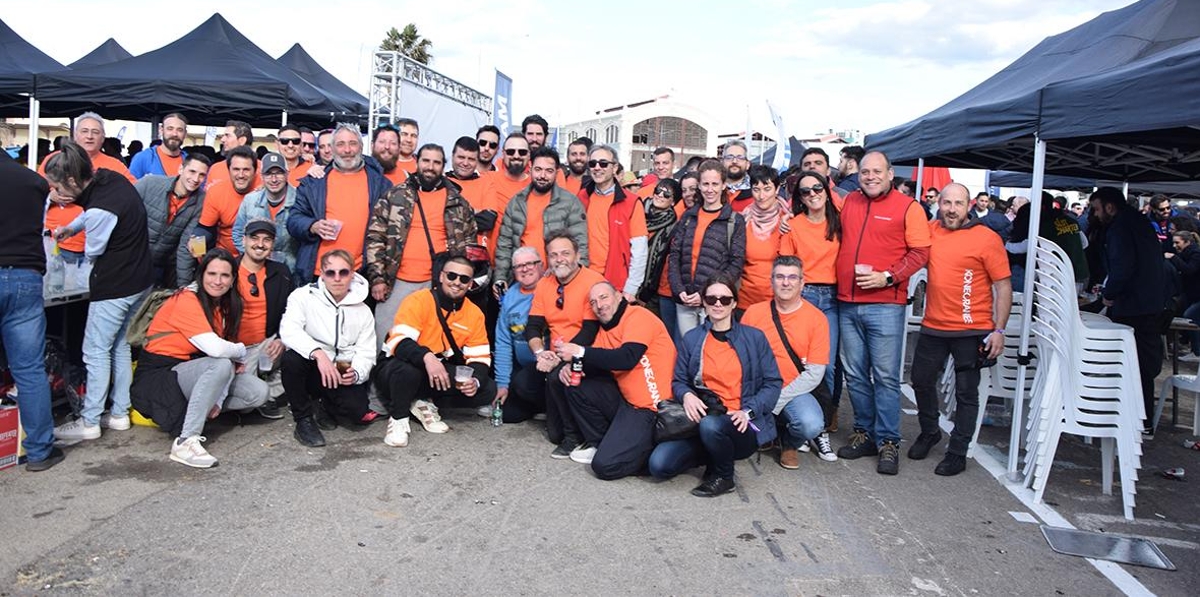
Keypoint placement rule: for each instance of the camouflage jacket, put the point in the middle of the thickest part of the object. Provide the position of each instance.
(391, 220)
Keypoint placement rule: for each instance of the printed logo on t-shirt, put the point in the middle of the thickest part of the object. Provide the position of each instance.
(968, 279)
(884, 218)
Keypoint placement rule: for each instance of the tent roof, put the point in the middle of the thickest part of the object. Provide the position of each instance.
(19, 62)
(303, 64)
(1024, 180)
(1075, 90)
(105, 53)
(212, 74)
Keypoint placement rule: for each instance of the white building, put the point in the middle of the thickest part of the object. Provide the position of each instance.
(636, 130)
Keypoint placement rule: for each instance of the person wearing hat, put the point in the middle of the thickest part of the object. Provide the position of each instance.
(616, 221)
(264, 286)
(272, 202)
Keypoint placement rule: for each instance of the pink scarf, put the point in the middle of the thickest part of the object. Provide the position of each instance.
(765, 222)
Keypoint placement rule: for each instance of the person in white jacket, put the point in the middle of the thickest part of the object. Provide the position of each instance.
(330, 336)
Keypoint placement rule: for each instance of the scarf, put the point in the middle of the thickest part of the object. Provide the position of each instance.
(765, 222)
(659, 223)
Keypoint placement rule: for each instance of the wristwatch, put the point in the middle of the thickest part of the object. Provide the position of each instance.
(890, 280)
(749, 413)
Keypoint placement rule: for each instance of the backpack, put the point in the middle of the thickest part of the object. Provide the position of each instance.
(140, 324)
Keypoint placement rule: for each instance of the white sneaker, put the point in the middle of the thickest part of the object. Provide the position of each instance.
(824, 450)
(804, 448)
(427, 413)
(539, 416)
(189, 452)
(77, 430)
(484, 411)
(107, 421)
(397, 433)
(584, 453)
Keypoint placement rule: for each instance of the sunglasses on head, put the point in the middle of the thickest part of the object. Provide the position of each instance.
(289, 140)
(520, 152)
(485, 144)
(712, 300)
(454, 277)
(337, 273)
(813, 190)
(253, 280)
(600, 163)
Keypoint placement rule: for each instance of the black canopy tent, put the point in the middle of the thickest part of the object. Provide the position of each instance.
(19, 62)
(106, 53)
(300, 62)
(212, 74)
(1021, 180)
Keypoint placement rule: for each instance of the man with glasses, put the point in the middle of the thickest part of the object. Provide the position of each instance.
(264, 286)
(514, 176)
(272, 202)
(737, 184)
(929, 202)
(514, 362)
(414, 221)
(616, 223)
(1160, 214)
(488, 138)
(287, 144)
(541, 207)
(173, 206)
(166, 158)
(561, 313)
(308, 144)
(422, 368)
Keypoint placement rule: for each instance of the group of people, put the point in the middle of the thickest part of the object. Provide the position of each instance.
(354, 286)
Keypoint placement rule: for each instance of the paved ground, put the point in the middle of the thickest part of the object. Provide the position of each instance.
(486, 511)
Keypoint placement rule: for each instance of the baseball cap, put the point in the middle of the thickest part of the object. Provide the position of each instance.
(273, 160)
(255, 226)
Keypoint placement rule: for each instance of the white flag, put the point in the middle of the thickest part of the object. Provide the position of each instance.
(783, 145)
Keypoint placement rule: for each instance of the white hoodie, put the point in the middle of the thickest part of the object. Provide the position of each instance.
(313, 320)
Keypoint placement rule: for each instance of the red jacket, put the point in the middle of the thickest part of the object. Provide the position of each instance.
(890, 233)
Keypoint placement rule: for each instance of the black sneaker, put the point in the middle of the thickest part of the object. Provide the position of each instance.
(860, 445)
(324, 420)
(925, 442)
(308, 434)
(54, 457)
(714, 487)
(951, 465)
(889, 459)
(563, 451)
(270, 410)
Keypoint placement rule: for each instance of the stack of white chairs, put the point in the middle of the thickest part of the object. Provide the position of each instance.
(1087, 382)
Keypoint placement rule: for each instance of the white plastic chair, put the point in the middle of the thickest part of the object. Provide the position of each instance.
(1190, 383)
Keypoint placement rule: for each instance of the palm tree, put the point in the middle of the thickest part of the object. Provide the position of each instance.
(408, 42)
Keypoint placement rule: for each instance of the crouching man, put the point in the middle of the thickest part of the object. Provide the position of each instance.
(437, 333)
(625, 372)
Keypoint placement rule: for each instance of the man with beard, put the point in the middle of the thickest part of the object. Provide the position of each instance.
(663, 164)
(167, 157)
(514, 177)
(237, 134)
(173, 205)
(616, 224)
(422, 363)
(535, 128)
(488, 138)
(541, 207)
(333, 212)
(626, 373)
(477, 190)
(287, 144)
(385, 148)
(575, 174)
(414, 221)
(885, 240)
(967, 266)
(851, 158)
(223, 199)
(737, 184)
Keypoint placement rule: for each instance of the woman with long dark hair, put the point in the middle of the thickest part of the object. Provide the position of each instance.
(191, 368)
(661, 216)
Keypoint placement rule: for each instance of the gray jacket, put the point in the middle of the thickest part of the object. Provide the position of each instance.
(565, 212)
(168, 241)
(256, 207)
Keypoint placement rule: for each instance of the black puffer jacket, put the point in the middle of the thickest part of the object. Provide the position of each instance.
(723, 249)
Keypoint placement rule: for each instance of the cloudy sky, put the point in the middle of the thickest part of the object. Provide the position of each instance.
(848, 64)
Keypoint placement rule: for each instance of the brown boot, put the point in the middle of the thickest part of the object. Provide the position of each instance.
(789, 458)
(833, 427)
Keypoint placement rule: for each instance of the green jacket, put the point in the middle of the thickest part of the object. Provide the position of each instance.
(565, 212)
(391, 220)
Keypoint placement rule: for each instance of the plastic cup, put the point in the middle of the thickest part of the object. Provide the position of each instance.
(198, 245)
(337, 229)
(863, 269)
(265, 362)
(463, 376)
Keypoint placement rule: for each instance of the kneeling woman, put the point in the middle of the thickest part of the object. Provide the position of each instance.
(189, 370)
(733, 362)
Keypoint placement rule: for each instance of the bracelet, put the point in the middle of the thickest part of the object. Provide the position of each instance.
(998, 331)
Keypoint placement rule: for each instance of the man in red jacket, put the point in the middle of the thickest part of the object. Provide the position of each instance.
(885, 240)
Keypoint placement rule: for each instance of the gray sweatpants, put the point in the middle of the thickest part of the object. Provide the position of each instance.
(209, 381)
(385, 312)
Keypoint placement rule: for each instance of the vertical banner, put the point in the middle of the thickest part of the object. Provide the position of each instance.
(783, 143)
(502, 104)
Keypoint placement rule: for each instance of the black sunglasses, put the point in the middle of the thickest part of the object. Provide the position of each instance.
(601, 163)
(711, 300)
(336, 273)
(253, 279)
(520, 152)
(813, 190)
(289, 141)
(485, 144)
(452, 277)
(665, 194)
(559, 301)
(309, 144)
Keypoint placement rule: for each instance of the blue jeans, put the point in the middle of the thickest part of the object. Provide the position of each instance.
(666, 312)
(1192, 312)
(106, 354)
(870, 350)
(23, 331)
(719, 445)
(825, 298)
(803, 420)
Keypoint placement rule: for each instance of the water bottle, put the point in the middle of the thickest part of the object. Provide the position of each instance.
(497, 414)
(56, 272)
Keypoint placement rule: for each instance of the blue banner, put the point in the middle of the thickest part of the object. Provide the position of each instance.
(502, 104)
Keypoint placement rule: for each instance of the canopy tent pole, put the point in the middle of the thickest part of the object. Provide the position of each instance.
(1035, 221)
(34, 108)
(920, 179)
(283, 122)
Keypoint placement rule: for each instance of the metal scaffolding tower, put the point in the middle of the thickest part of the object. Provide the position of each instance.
(390, 68)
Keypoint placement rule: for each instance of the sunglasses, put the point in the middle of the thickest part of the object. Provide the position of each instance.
(309, 145)
(337, 273)
(813, 190)
(712, 301)
(289, 140)
(486, 144)
(600, 163)
(253, 279)
(520, 152)
(558, 302)
(664, 194)
(453, 277)
(931, 196)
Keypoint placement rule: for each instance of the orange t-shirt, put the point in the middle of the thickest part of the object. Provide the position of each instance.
(533, 235)
(806, 240)
(756, 274)
(179, 319)
(170, 164)
(650, 380)
(506, 187)
(347, 200)
(570, 183)
(173, 205)
(807, 330)
(416, 265)
(61, 215)
(480, 192)
(406, 166)
(598, 224)
(397, 176)
(703, 220)
(220, 173)
(963, 264)
(295, 175)
(253, 327)
(221, 204)
(722, 371)
(565, 322)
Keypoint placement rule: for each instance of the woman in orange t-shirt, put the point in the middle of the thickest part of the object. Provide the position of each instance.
(191, 368)
(660, 221)
(763, 219)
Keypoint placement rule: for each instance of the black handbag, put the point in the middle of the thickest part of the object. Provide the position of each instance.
(672, 423)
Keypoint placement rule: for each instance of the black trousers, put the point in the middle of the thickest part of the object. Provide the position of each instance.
(622, 433)
(560, 425)
(526, 394)
(1147, 336)
(302, 382)
(928, 361)
(400, 383)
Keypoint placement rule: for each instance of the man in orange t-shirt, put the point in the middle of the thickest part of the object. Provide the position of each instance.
(288, 144)
(385, 148)
(967, 266)
(237, 134)
(616, 221)
(478, 190)
(626, 373)
(222, 201)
